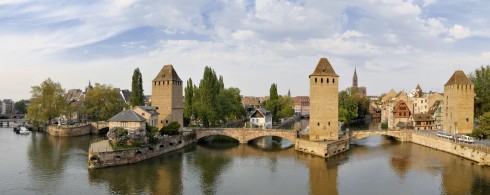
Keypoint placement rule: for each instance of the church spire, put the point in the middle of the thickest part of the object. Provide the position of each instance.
(354, 78)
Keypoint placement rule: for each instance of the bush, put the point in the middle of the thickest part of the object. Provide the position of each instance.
(151, 131)
(384, 126)
(170, 129)
(120, 132)
(187, 121)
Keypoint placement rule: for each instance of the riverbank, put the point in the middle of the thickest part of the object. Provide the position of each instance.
(101, 154)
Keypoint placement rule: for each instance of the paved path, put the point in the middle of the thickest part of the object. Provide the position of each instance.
(101, 146)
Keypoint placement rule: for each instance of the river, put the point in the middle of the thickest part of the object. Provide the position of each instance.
(42, 164)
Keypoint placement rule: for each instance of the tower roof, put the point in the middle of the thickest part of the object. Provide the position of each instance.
(324, 68)
(459, 78)
(167, 74)
(418, 87)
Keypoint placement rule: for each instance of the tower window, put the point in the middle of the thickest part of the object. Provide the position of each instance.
(328, 123)
(321, 80)
(166, 121)
(318, 124)
(467, 120)
(315, 80)
(333, 80)
(327, 80)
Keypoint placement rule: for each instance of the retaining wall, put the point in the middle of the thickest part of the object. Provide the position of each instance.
(108, 158)
(68, 131)
(471, 152)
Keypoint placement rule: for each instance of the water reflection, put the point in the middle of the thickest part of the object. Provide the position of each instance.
(42, 164)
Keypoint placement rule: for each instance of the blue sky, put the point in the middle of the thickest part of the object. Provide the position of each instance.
(252, 44)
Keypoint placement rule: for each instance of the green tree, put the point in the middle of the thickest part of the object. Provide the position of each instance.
(137, 97)
(103, 102)
(188, 97)
(20, 107)
(483, 126)
(47, 102)
(170, 129)
(481, 80)
(348, 108)
(211, 103)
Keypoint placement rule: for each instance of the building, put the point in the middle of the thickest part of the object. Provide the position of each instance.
(436, 112)
(360, 90)
(127, 119)
(423, 121)
(7, 106)
(401, 115)
(459, 104)
(375, 113)
(302, 105)
(149, 113)
(251, 103)
(167, 96)
(261, 118)
(125, 95)
(324, 101)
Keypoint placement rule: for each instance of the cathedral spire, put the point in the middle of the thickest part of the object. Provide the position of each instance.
(354, 78)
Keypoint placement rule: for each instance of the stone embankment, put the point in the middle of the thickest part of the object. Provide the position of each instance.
(68, 131)
(477, 153)
(322, 149)
(101, 154)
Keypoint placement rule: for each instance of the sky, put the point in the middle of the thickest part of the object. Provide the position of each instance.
(393, 44)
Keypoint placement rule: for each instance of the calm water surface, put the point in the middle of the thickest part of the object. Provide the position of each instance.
(42, 164)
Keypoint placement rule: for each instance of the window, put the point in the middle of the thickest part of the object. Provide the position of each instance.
(327, 80)
(333, 80)
(315, 80)
(321, 80)
(318, 124)
(166, 121)
(328, 123)
(467, 120)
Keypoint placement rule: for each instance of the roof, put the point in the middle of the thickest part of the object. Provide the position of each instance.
(150, 109)
(125, 94)
(392, 93)
(74, 95)
(127, 116)
(262, 111)
(167, 73)
(422, 117)
(459, 78)
(433, 108)
(324, 68)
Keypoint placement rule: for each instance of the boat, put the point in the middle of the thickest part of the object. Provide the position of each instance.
(24, 131)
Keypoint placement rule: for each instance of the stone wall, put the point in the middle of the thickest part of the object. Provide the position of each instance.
(68, 131)
(470, 152)
(100, 159)
(322, 149)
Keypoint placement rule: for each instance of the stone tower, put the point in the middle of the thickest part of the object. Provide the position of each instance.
(166, 94)
(324, 101)
(354, 79)
(459, 104)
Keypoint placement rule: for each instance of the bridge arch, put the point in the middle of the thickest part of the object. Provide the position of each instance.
(398, 134)
(244, 135)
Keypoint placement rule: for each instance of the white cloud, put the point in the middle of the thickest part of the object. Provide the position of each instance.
(429, 2)
(459, 32)
(352, 33)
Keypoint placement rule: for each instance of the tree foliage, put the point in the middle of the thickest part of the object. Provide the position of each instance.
(20, 107)
(171, 129)
(481, 80)
(188, 96)
(483, 128)
(47, 102)
(211, 103)
(352, 105)
(279, 106)
(103, 101)
(137, 97)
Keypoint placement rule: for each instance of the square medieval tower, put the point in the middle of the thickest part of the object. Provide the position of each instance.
(166, 94)
(459, 98)
(324, 102)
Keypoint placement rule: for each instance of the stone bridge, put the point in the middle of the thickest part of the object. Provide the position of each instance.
(401, 135)
(244, 135)
(97, 127)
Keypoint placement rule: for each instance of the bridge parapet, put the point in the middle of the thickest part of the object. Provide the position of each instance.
(243, 135)
(401, 135)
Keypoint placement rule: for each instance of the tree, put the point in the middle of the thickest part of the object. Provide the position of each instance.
(20, 107)
(481, 80)
(47, 102)
(348, 107)
(188, 97)
(483, 128)
(103, 102)
(137, 97)
(211, 103)
(170, 129)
